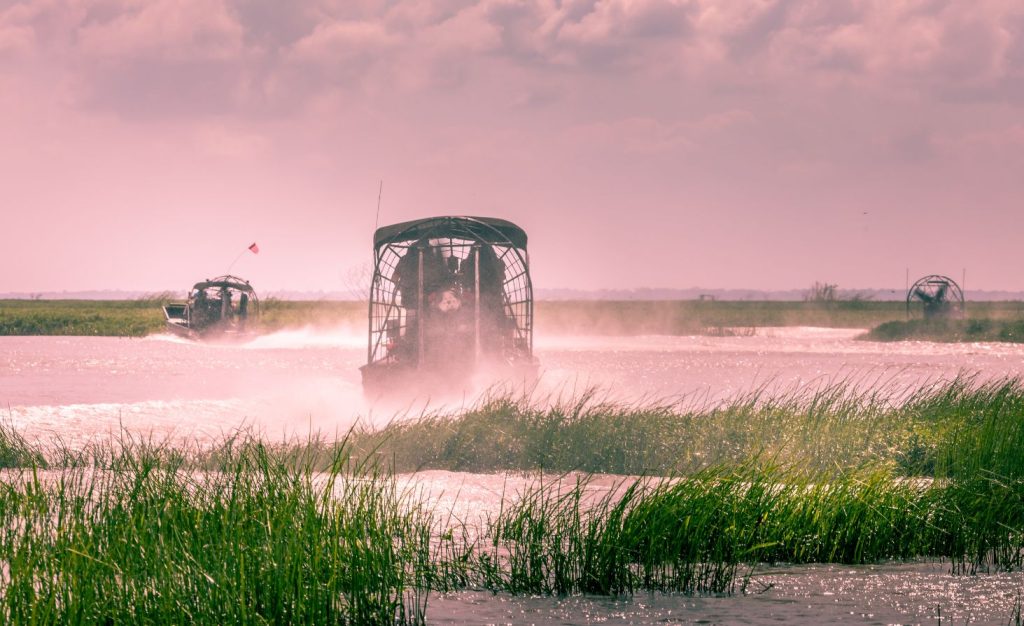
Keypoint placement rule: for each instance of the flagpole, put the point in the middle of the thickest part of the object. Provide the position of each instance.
(236, 260)
(380, 191)
(249, 248)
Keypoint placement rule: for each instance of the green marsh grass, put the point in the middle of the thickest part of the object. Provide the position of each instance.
(707, 532)
(737, 317)
(967, 330)
(144, 316)
(117, 318)
(317, 531)
(695, 317)
(941, 429)
(16, 451)
(133, 318)
(150, 540)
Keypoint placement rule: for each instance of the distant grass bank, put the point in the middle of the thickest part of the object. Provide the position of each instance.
(1005, 330)
(696, 317)
(245, 531)
(117, 318)
(136, 318)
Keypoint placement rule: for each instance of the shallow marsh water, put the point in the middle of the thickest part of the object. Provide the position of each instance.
(917, 593)
(85, 388)
(290, 382)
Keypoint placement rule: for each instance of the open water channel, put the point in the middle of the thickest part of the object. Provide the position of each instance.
(288, 383)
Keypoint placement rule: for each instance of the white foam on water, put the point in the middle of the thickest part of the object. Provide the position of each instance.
(309, 337)
(166, 338)
(309, 377)
(79, 423)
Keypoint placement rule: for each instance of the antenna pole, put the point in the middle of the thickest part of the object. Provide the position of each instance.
(380, 192)
(244, 250)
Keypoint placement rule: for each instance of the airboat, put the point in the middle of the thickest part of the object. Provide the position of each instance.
(224, 307)
(451, 303)
(939, 297)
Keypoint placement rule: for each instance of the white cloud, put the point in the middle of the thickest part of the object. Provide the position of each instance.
(342, 40)
(165, 29)
(231, 55)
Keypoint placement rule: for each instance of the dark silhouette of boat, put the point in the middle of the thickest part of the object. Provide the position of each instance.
(224, 307)
(451, 300)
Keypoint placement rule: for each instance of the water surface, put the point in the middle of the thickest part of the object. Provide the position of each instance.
(288, 383)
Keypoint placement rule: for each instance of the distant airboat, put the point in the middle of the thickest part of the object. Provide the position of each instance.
(939, 297)
(451, 298)
(224, 307)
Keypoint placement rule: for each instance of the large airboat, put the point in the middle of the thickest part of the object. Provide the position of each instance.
(225, 307)
(451, 301)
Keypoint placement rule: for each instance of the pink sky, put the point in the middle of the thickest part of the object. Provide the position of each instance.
(730, 144)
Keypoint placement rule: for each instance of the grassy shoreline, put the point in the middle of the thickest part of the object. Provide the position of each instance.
(314, 531)
(950, 331)
(136, 318)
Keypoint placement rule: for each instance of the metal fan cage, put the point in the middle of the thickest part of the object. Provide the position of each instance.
(400, 296)
(939, 297)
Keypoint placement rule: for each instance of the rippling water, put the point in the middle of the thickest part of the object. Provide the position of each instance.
(81, 388)
(290, 382)
(826, 594)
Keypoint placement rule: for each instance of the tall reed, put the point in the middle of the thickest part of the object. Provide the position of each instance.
(259, 541)
(939, 429)
(707, 532)
(15, 450)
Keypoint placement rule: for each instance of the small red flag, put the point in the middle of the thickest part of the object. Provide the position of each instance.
(254, 248)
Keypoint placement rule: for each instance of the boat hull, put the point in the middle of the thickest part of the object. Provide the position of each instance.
(222, 333)
(181, 330)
